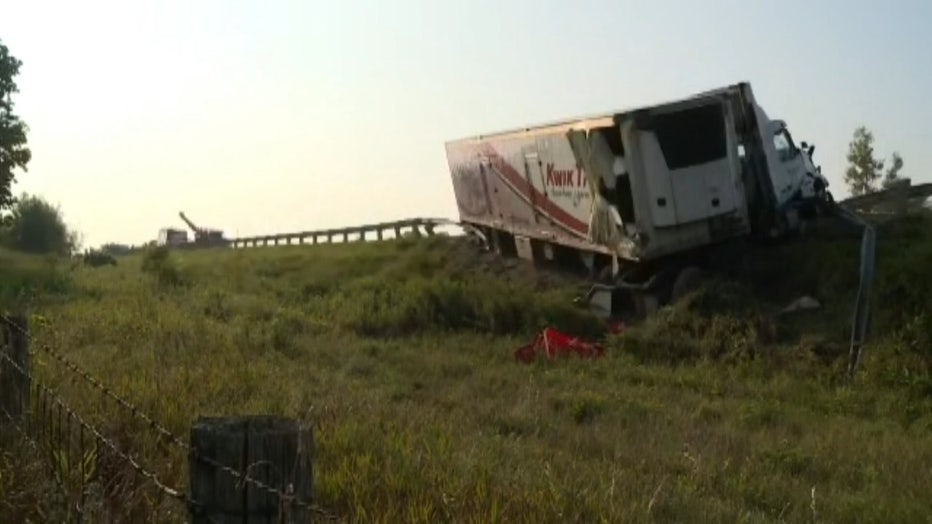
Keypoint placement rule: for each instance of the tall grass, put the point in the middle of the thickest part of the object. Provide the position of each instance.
(25, 278)
(399, 355)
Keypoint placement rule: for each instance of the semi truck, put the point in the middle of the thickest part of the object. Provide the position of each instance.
(647, 199)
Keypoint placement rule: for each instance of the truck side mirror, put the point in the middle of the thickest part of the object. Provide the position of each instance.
(811, 150)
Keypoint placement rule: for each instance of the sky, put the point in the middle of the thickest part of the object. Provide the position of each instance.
(278, 116)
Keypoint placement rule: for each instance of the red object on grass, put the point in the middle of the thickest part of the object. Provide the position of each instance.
(552, 342)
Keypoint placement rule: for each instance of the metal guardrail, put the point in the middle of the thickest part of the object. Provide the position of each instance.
(866, 202)
(860, 318)
(358, 233)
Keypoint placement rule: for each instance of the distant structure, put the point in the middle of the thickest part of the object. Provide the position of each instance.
(178, 238)
(172, 237)
(204, 236)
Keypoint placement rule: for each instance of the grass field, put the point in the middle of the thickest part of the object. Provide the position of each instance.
(399, 355)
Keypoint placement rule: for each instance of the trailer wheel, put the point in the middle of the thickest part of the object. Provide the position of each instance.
(688, 280)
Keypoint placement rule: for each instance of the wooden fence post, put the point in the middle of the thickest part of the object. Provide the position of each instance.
(14, 386)
(273, 450)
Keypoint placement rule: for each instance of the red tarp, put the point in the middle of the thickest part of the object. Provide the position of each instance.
(552, 342)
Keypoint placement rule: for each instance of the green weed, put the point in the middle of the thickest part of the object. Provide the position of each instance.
(399, 355)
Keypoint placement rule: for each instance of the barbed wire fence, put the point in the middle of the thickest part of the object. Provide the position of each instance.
(81, 457)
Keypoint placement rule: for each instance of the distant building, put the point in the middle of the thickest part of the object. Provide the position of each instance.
(172, 237)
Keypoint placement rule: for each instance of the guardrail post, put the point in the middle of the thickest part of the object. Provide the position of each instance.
(275, 451)
(14, 386)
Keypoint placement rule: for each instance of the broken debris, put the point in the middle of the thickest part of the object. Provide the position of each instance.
(802, 303)
(552, 342)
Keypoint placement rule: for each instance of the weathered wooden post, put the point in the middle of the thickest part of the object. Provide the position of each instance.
(14, 385)
(275, 451)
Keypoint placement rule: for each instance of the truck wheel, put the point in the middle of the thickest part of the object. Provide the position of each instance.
(825, 203)
(604, 275)
(689, 279)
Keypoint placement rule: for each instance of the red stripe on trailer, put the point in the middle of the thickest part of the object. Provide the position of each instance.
(520, 183)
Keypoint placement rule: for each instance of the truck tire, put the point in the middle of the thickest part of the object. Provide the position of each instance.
(604, 275)
(689, 279)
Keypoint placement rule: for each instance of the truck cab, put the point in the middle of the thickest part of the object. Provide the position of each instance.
(796, 177)
(687, 180)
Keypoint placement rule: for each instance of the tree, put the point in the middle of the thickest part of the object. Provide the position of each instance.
(35, 226)
(13, 150)
(863, 169)
(892, 178)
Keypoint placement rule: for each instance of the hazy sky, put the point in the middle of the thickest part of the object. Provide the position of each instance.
(263, 117)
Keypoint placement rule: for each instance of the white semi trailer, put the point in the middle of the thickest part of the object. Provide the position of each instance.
(643, 198)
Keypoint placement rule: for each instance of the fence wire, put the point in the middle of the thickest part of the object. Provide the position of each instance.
(52, 409)
(133, 410)
(285, 496)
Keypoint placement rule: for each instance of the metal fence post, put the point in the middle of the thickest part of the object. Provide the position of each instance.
(14, 384)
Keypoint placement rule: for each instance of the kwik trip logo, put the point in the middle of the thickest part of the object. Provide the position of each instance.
(565, 178)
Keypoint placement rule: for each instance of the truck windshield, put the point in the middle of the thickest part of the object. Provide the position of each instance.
(783, 143)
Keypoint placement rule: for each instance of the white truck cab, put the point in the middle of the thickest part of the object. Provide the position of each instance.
(799, 175)
(797, 183)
